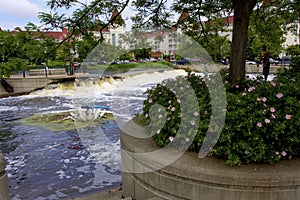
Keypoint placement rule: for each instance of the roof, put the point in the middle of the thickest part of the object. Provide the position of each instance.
(57, 35)
(116, 18)
(184, 16)
(224, 21)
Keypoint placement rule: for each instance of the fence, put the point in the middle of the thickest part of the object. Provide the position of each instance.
(44, 72)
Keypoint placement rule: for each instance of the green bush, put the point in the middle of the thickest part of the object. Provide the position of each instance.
(262, 118)
(296, 63)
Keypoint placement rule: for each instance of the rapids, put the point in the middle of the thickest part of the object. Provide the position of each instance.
(45, 164)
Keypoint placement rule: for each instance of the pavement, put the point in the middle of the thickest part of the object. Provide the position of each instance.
(109, 195)
(105, 195)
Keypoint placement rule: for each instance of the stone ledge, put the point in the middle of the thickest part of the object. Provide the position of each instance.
(210, 178)
(4, 189)
(2, 163)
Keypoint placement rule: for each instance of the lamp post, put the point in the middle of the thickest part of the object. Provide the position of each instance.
(2, 53)
(221, 52)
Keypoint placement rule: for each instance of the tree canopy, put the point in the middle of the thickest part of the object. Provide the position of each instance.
(162, 13)
(256, 22)
(21, 48)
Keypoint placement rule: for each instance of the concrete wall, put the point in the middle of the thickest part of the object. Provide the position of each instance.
(190, 177)
(4, 189)
(29, 84)
(250, 69)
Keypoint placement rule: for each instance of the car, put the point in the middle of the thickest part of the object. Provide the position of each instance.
(286, 60)
(223, 62)
(153, 59)
(115, 63)
(101, 62)
(182, 62)
(273, 61)
(249, 62)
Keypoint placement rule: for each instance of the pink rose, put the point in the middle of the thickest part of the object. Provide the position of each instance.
(288, 117)
(250, 89)
(279, 95)
(259, 124)
(193, 123)
(283, 153)
(273, 83)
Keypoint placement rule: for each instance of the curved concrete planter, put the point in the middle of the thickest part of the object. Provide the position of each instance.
(4, 189)
(192, 178)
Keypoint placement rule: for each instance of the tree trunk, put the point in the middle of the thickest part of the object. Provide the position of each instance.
(242, 12)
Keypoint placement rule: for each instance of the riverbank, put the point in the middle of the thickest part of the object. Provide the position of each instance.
(23, 86)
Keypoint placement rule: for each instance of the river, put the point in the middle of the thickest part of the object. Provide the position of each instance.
(44, 164)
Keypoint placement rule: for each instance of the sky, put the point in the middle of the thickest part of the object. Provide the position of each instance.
(17, 13)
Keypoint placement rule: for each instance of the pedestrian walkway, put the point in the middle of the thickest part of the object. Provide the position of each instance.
(106, 195)
(109, 195)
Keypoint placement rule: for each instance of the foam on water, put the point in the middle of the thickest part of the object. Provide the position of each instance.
(83, 87)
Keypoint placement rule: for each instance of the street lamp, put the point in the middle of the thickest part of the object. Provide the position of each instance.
(2, 53)
(221, 52)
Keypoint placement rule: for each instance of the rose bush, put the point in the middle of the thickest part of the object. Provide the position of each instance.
(262, 118)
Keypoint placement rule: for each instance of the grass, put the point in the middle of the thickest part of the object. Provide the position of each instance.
(154, 65)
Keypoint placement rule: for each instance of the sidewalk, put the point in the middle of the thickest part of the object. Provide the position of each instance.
(109, 195)
(106, 195)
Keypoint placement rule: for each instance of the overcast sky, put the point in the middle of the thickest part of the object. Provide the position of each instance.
(17, 13)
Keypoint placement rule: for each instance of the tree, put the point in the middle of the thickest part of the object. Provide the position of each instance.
(293, 50)
(85, 46)
(157, 13)
(262, 26)
(218, 47)
(23, 48)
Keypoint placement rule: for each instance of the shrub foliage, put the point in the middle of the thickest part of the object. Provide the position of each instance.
(262, 121)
